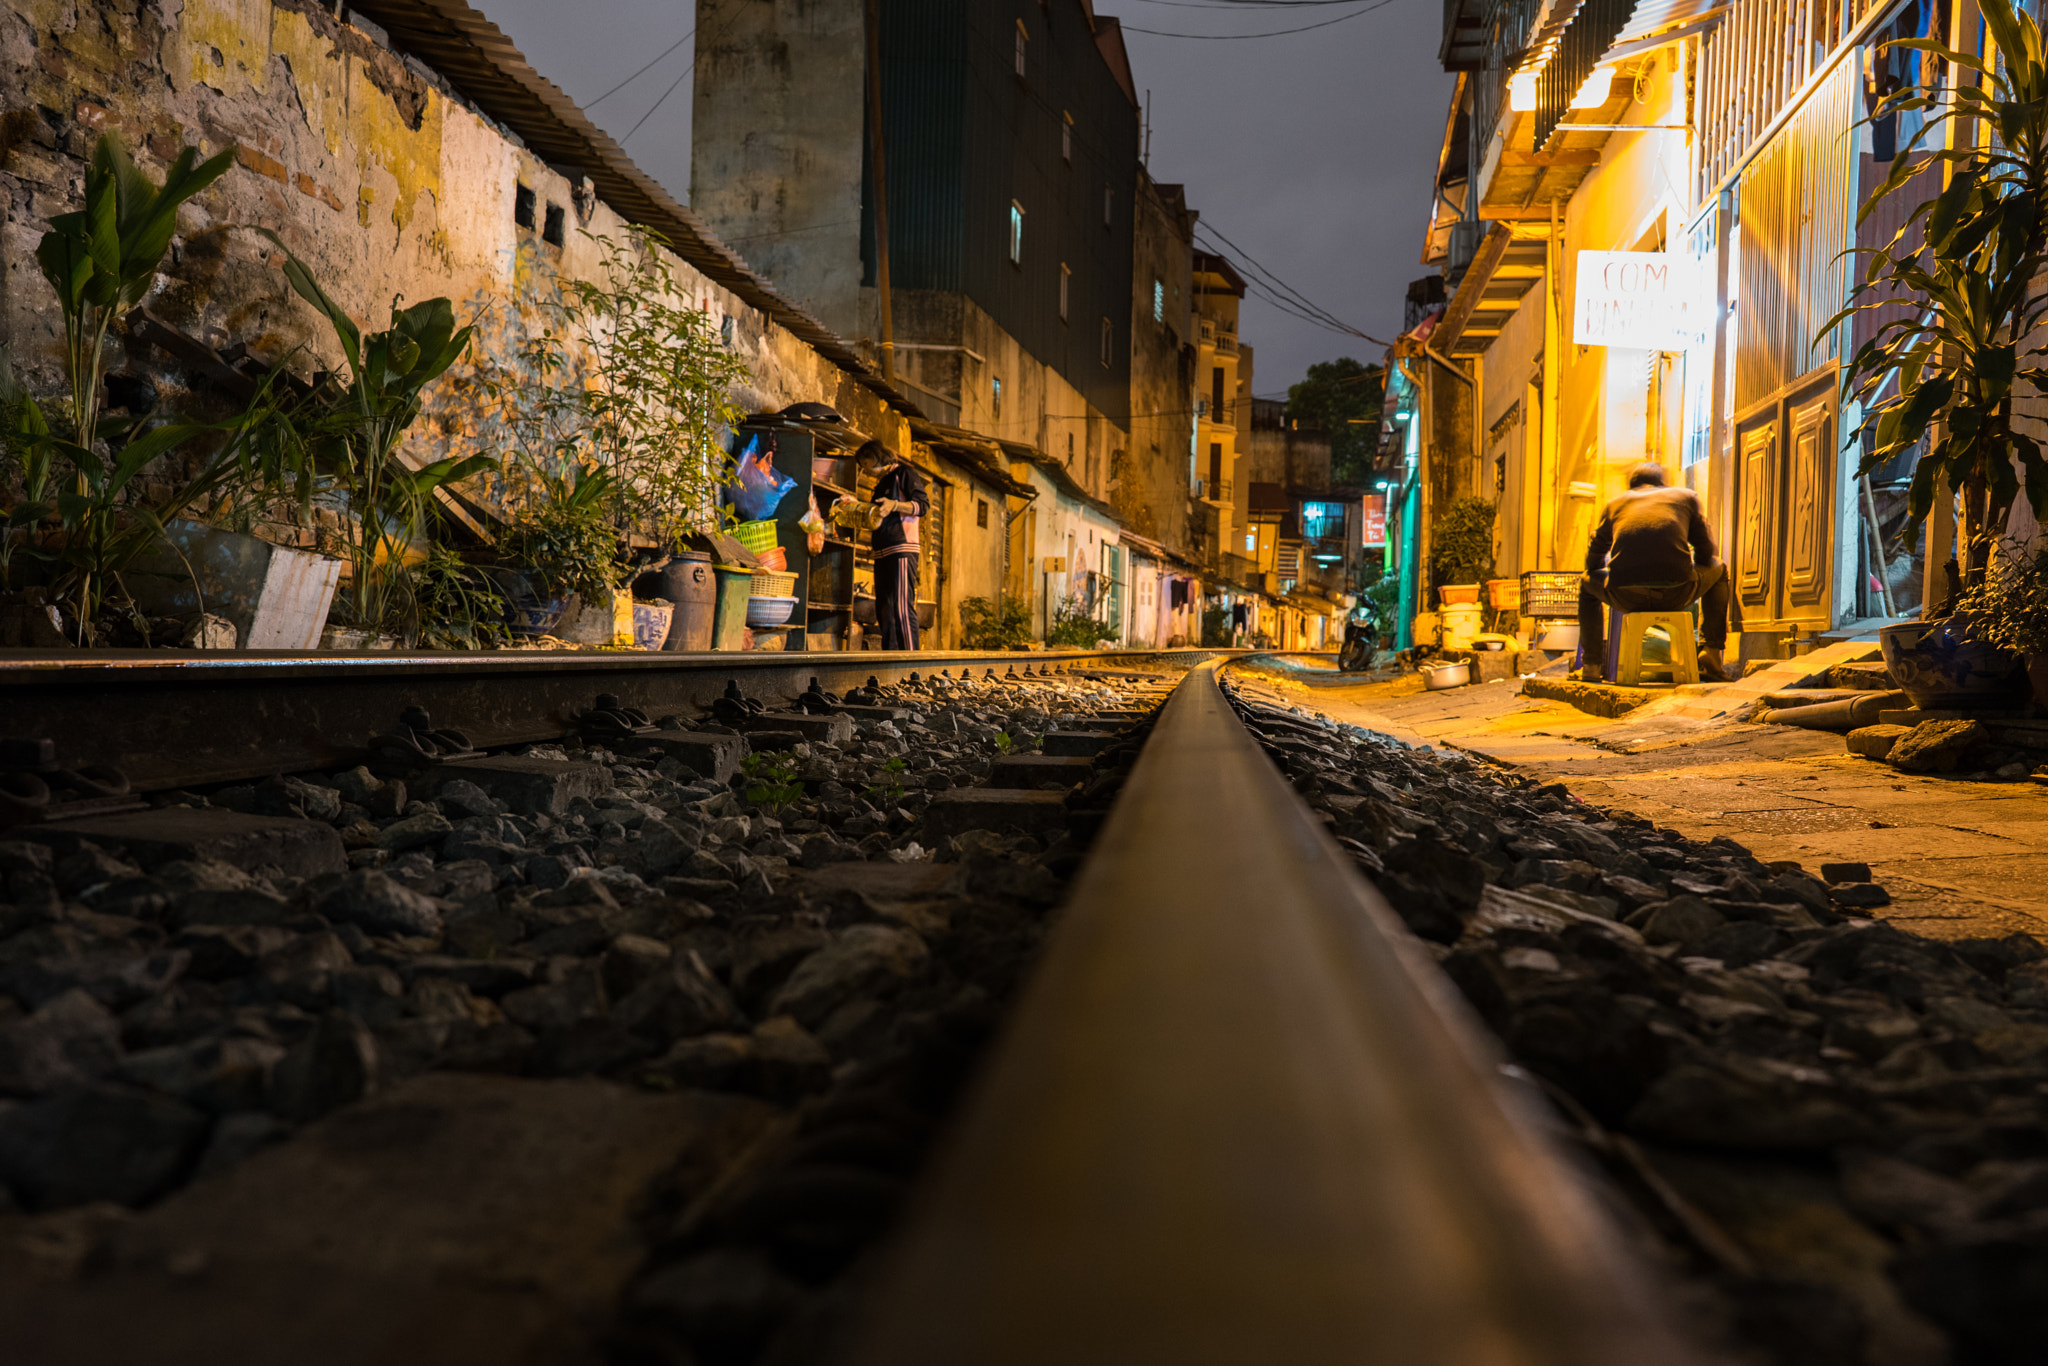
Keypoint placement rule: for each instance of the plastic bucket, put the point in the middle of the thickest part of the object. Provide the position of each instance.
(1461, 624)
(687, 581)
(729, 628)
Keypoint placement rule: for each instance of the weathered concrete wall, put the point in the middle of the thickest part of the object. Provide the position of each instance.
(1511, 389)
(776, 130)
(1037, 406)
(366, 163)
(1152, 489)
(975, 533)
(1064, 528)
(1296, 459)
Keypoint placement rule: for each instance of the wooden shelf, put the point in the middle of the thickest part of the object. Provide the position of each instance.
(834, 488)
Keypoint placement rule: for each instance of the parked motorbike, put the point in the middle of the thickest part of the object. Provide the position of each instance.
(1360, 637)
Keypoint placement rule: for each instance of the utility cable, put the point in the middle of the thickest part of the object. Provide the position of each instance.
(1270, 33)
(658, 103)
(1274, 282)
(592, 104)
(1283, 296)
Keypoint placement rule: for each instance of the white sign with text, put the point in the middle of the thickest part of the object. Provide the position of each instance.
(1651, 300)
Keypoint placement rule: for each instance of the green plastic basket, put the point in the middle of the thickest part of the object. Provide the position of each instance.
(757, 537)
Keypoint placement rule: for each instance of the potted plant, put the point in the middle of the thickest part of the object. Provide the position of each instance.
(455, 605)
(609, 412)
(2008, 611)
(79, 528)
(559, 545)
(1945, 371)
(352, 426)
(1461, 550)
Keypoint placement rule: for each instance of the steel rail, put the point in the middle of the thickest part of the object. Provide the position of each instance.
(176, 720)
(1239, 1116)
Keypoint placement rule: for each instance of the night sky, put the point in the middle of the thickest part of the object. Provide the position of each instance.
(1312, 151)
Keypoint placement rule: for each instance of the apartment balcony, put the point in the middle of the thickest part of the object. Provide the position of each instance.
(1226, 416)
(1226, 343)
(1216, 492)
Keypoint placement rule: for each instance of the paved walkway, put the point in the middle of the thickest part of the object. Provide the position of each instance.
(1959, 858)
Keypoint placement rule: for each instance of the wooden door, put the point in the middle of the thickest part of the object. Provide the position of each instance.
(1783, 560)
(1756, 521)
(1809, 553)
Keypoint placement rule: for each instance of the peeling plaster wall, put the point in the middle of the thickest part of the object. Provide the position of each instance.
(364, 161)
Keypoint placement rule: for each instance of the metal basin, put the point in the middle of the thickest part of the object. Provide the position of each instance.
(1445, 676)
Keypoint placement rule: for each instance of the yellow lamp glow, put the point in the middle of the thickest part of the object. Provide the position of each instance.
(1522, 92)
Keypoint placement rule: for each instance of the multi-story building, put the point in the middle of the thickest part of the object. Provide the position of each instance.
(1722, 152)
(1009, 157)
(1222, 371)
(1310, 528)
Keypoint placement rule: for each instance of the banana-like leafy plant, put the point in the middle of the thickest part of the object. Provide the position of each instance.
(77, 521)
(352, 428)
(1946, 368)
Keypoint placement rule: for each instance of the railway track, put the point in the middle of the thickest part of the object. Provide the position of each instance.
(980, 1017)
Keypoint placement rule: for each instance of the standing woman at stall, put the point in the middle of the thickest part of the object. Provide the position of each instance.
(901, 499)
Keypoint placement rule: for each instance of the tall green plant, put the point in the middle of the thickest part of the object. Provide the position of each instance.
(353, 427)
(1461, 542)
(1964, 264)
(623, 377)
(78, 520)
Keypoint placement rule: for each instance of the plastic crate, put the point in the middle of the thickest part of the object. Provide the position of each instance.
(1550, 593)
(770, 584)
(1504, 595)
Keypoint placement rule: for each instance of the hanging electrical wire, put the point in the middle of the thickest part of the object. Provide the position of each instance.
(658, 103)
(1277, 292)
(1270, 33)
(592, 104)
(1259, 271)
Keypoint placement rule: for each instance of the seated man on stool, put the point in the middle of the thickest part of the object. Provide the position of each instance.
(1653, 553)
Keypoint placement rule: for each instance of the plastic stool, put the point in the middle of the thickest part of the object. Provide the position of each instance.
(1625, 632)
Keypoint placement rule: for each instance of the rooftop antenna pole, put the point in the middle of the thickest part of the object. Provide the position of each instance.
(1146, 155)
(874, 27)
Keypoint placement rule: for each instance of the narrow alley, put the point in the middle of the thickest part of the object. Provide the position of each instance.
(1003, 682)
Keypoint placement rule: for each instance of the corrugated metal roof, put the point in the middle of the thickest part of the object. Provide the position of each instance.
(483, 65)
(1060, 477)
(1544, 31)
(1652, 16)
(979, 455)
